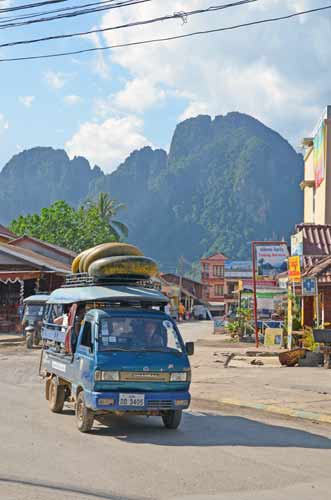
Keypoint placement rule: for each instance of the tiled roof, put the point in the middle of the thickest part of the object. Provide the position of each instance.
(34, 258)
(5, 232)
(316, 238)
(216, 256)
(321, 269)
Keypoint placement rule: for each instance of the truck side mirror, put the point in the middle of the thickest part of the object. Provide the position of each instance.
(189, 346)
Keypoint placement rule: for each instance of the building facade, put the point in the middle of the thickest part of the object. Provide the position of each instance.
(317, 172)
(213, 280)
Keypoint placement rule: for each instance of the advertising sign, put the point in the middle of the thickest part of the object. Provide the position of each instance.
(297, 244)
(309, 287)
(319, 154)
(238, 269)
(271, 259)
(294, 269)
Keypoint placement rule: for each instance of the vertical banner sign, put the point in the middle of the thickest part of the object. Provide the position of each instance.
(294, 269)
(271, 259)
(319, 155)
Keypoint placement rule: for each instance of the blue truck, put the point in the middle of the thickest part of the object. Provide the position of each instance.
(128, 356)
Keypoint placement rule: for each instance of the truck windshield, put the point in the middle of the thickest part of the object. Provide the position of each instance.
(34, 310)
(138, 334)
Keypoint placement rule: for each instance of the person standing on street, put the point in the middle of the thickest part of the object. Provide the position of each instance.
(181, 311)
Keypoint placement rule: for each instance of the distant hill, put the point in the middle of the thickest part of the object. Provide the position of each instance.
(224, 182)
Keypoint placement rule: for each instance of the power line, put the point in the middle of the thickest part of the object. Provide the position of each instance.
(167, 39)
(45, 13)
(31, 5)
(176, 15)
(123, 3)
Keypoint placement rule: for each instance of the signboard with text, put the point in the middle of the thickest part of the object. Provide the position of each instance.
(294, 269)
(271, 259)
(297, 244)
(309, 287)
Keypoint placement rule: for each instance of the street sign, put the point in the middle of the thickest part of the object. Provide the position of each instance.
(309, 287)
(294, 269)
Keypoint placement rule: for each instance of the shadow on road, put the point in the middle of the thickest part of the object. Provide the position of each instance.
(205, 429)
(64, 488)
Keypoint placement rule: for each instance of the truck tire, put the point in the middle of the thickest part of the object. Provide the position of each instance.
(172, 419)
(56, 396)
(84, 415)
(29, 340)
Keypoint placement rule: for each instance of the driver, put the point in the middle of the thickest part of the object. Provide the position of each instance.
(151, 335)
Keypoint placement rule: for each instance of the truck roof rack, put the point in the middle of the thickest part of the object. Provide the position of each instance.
(84, 279)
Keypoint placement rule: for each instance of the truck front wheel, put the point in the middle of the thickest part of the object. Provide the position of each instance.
(56, 396)
(172, 419)
(84, 415)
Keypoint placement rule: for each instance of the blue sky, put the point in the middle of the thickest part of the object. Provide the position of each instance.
(104, 105)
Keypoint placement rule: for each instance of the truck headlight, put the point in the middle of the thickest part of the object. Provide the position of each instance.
(178, 377)
(106, 376)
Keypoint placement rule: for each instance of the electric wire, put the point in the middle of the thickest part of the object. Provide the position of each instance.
(166, 39)
(175, 15)
(119, 4)
(31, 5)
(54, 11)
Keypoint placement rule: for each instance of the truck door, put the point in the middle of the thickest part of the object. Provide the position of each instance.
(84, 356)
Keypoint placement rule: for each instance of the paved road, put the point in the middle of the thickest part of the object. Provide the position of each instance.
(215, 455)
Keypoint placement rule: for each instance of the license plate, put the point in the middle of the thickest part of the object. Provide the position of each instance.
(132, 400)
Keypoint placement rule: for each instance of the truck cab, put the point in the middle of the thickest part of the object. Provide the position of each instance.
(129, 357)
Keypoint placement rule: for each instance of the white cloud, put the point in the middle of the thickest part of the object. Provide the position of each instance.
(4, 124)
(55, 80)
(278, 72)
(108, 143)
(27, 100)
(72, 99)
(138, 95)
(99, 65)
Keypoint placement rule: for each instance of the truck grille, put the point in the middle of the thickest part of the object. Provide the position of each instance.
(160, 404)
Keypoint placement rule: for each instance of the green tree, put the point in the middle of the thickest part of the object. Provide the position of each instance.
(63, 225)
(107, 210)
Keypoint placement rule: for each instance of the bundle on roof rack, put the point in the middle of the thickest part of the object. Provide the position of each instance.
(115, 260)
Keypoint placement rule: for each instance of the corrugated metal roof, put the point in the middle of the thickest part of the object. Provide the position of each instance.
(34, 258)
(45, 244)
(321, 269)
(5, 232)
(316, 238)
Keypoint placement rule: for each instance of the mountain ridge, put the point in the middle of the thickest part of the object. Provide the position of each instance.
(224, 182)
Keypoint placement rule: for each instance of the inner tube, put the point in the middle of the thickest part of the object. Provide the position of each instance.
(109, 250)
(126, 265)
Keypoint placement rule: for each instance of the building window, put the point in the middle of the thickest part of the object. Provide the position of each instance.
(218, 290)
(232, 287)
(218, 271)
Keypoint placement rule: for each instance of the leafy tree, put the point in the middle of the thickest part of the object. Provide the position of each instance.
(63, 225)
(107, 209)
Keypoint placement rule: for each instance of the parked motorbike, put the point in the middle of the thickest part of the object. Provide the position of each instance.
(34, 308)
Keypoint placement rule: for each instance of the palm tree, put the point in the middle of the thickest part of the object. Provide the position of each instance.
(108, 209)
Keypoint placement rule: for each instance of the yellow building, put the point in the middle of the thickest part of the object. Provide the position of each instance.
(317, 173)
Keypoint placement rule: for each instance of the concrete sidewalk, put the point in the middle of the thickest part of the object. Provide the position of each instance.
(257, 382)
(10, 338)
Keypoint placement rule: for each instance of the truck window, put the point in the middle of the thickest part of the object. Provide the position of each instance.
(87, 335)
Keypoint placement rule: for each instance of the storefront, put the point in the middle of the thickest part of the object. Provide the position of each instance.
(24, 273)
